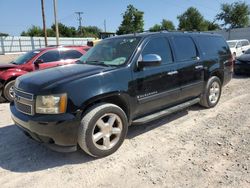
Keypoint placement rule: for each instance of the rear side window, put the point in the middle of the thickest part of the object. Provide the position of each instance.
(159, 46)
(213, 45)
(244, 43)
(184, 48)
(70, 54)
(50, 56)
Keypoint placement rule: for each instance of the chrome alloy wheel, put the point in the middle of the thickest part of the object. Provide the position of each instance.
(214, 92)
(107, 131)
(11, 91)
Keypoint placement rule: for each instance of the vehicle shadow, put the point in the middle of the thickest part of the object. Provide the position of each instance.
(241, 76)
(18, 153)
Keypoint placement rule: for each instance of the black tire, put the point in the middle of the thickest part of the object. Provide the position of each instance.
(7, 91)
(205, 100)
(89, 125)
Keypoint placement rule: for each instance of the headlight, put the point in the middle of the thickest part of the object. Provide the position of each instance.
(51, 104)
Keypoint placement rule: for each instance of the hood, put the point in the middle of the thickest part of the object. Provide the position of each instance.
(45, 78)
(244, 57)
(7, 66)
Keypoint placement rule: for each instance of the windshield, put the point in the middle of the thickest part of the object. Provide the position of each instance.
(111, 52)
(232, 44)
(25, 57)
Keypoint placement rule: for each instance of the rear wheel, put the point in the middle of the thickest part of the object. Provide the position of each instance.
(102, 130)
(212, 93)
(8, 91)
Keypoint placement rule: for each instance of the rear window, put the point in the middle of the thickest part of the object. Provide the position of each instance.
(185, 49)
(213, 45)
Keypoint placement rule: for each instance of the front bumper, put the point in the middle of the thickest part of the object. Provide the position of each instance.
(54, 130)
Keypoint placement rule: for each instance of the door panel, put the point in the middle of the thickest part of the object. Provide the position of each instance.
(156, 87)
(50, 59)
(191, 70)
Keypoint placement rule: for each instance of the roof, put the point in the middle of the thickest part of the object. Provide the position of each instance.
(146, 34)
(56, 47)
(237, 40)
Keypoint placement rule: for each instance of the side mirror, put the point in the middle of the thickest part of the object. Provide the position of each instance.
(149, 60)
(37, 63)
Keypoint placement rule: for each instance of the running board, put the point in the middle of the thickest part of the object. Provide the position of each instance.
(165, 112)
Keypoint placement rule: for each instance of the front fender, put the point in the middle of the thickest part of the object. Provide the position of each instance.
(9, 74)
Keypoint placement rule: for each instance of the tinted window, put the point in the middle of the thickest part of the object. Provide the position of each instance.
(213, 45)
(70, 54)
(111, 52)
(50, 56)
(26, 57)
(239, 44)
(160, 47)
(245, 43)
(184, 48)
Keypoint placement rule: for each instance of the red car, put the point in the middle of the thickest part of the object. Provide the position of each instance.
(36, 60)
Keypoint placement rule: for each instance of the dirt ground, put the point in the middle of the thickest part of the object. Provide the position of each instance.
(196, 147)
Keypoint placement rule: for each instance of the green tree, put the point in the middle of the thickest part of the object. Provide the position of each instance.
(191, 20)
(65, 31)
(234, 15)
(155, 28)
(132, 21)
(91, 31)
(3, 34)
(167, 25)
(33, 31)
(211, 26)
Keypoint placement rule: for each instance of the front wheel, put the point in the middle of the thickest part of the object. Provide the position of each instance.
(212, 93)
(8, 91)
(103, 129)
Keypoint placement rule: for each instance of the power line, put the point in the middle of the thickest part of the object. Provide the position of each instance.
(80, 21)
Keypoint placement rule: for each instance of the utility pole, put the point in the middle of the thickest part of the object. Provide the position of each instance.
(105, 27)
(44, 24)
(56, 23)
(80, 21)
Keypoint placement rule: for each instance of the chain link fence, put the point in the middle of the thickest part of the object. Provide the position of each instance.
(15, 44)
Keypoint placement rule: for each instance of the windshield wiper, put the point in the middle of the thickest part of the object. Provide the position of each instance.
(13, 62)
(102, 63)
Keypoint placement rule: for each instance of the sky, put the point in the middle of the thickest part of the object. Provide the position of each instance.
(18, 15)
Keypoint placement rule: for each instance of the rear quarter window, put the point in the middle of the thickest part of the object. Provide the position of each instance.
(213, 45)
(245, 43)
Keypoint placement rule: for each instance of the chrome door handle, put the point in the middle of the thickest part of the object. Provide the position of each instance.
(199, 67)
(172, 73)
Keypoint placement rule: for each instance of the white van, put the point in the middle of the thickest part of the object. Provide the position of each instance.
(238, 47)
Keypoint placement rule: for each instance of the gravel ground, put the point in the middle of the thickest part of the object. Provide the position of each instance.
(195, 147)
(8, 58)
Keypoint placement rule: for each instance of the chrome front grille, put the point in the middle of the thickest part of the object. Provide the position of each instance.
(24, 102)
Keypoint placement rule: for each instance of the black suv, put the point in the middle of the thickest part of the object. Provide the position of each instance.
(124, 80)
